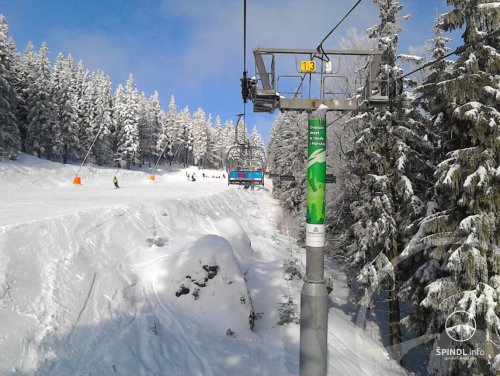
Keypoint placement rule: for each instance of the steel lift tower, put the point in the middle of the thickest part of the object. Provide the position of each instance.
(310, 87)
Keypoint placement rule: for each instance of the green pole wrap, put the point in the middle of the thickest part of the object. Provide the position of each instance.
(316, 178)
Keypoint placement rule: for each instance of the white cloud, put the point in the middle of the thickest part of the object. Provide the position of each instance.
(97, 49)
(214, 43)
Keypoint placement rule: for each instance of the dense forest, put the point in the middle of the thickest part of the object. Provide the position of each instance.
(58, 111)
(414, 213)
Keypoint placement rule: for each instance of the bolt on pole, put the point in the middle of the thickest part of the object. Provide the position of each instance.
(313, 298)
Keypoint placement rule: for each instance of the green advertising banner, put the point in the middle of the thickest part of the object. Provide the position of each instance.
(316, 171)
(316, 180)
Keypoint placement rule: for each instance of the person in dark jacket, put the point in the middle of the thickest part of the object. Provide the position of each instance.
(115, 182)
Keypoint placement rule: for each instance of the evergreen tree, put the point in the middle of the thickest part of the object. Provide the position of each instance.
(96, 116)
(241, 131)
(209, 154)
(102, 102)
(186, 139)
(127, 116)
(117, 125)
(168, 131)
(199, 136)
(65, 100)
(43, 133)
(257, 142)
(156, 119)
(390, 162)
(82, 91)
(10, 140)
(229, 139)
(287, 155)
(144, 125)
(24, 80)
(433, 103)
(218, 144)
(460, 240)
(168, 123)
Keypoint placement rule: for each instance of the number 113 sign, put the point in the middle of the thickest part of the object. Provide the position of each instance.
(307, 66)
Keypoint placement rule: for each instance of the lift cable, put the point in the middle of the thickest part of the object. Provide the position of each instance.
(340, 117)
(245, 72)
(457, 51)
(320, 46)
(244, 35)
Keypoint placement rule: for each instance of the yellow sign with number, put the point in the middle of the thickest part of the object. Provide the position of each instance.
(307, 66)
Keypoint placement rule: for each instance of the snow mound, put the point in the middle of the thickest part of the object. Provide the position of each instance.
(208, 284)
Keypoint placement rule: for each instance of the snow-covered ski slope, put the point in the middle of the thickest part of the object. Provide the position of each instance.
(89, 278)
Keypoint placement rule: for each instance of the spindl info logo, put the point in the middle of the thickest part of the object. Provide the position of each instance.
(460, 326)
(465, 341)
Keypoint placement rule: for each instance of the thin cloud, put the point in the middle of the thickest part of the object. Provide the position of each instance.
(215, 35)
(97, 49)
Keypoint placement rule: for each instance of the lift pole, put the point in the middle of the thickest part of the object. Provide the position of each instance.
(262, 90)
(314, 303)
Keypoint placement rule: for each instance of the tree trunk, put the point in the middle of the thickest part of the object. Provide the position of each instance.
(394, 312)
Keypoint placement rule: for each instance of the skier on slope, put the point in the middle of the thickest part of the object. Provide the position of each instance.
(115, 182)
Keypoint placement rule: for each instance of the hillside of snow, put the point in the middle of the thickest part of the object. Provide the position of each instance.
(170, 277)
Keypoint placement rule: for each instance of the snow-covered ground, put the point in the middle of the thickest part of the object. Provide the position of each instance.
(154, 278)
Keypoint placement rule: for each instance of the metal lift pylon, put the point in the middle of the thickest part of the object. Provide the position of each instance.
(263, 91)
(265, 95)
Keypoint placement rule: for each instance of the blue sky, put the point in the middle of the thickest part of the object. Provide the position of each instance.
(193, 48)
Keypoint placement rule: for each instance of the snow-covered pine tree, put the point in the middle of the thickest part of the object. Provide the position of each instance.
(24, 79)
(165, 141)
(144, 129)
(186, 139)
(82, 90)
(199, 136)
(256, 138)
(43, 134)
(218, 144)
(434, 105)
(228, 139)
(156, 120)
(127, 117)
(389, 159)
(340, 135)
(461, 239)
(209, 155)
(168, 132)
(65, 100)
(102, 118)
(287, 155)
(10, 140)
(173, 127)
(95, 117)
(241, 131)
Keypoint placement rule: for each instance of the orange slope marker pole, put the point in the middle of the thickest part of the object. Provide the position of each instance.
(152, 176)
(77, 179)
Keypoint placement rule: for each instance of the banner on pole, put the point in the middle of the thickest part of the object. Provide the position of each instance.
(316, 171)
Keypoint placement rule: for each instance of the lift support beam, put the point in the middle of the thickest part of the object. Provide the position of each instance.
(267, 98)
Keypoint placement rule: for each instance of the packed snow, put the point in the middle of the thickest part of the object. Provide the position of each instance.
(164, 277)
